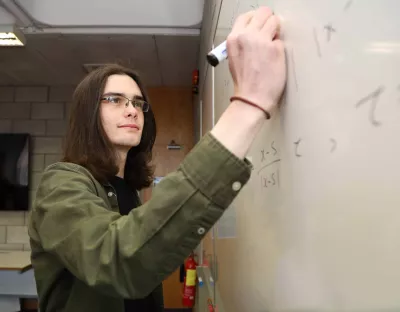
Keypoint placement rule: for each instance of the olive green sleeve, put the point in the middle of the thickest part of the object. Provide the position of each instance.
(130, 255)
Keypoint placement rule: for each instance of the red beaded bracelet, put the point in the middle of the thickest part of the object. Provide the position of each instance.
(239, 98)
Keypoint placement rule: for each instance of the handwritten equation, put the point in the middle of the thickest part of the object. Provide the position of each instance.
(270, 179)
(269, 172)
(271, 150)
(330, 30)
(297, 148)
(370, 100)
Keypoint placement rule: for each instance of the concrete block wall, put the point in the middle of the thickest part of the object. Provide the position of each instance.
(40, 111)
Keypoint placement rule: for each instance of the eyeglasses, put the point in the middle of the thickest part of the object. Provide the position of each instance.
(124, 101)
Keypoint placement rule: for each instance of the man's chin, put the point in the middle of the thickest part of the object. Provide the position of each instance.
(127, 145)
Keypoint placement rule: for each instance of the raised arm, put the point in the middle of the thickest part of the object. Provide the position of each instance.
(257, 64)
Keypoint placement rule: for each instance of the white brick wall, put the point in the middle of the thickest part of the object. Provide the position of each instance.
(45, 111)
(5, 125)
(12, 110)
(6, 94)
(31, 94)
(40, 111)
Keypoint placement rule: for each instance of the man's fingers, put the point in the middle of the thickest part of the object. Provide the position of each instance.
(242, 21)
(260, 17)
(272, 27)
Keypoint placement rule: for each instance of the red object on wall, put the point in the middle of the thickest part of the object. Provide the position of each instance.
(189, 283)
(195, 81)
(210, 305)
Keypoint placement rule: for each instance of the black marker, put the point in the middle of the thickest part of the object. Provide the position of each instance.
(217, 55)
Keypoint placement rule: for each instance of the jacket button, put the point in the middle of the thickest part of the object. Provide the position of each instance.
(110, 194)
(236, 186)
(201, 231)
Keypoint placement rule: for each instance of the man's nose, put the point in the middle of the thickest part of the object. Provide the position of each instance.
(130, 109)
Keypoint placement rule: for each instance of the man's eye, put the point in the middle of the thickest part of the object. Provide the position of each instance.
(137, 103)
(114, 99)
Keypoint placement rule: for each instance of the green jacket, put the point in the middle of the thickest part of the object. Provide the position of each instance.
(87, 257)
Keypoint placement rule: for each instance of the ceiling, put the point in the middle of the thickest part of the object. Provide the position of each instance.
(56, 55)
(162, 60)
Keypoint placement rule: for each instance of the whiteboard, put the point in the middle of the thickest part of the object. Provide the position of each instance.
(318, 225)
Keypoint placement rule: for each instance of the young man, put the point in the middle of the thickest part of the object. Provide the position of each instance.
(91, 251)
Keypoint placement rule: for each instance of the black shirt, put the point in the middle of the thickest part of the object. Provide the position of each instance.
(127, 200)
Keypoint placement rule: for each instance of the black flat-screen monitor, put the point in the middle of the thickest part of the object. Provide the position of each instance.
(14, 171)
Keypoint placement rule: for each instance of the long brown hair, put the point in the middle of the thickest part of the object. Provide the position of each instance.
(86, 142)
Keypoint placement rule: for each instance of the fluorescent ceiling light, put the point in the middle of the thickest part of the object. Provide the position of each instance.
(11, 36)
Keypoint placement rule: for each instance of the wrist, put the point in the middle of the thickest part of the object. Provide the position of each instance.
(238, 126)
(251, 103)
(247, 112)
